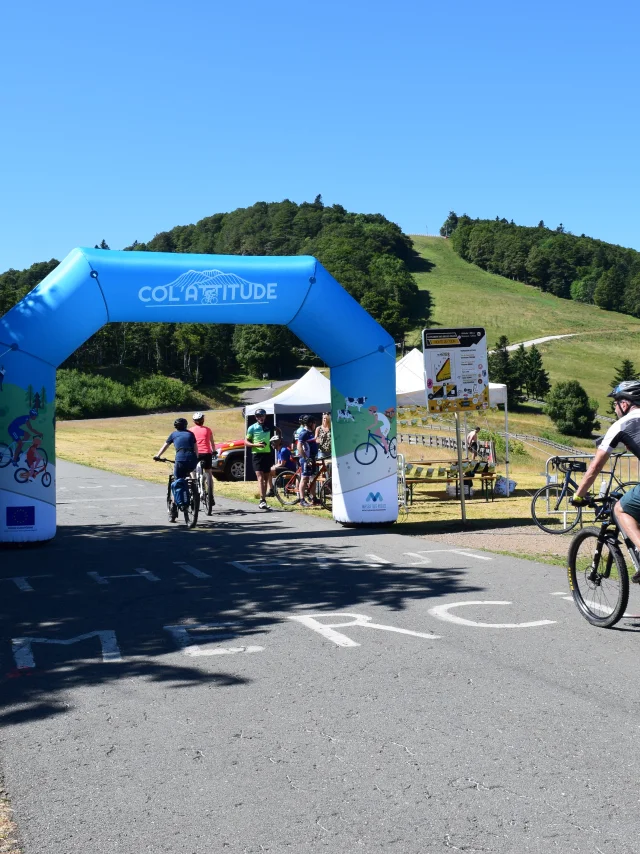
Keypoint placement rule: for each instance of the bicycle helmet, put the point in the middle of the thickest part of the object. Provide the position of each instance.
(627, 390)
(274, 440)
(198, 416)
(260, 412)
(33, 412)
(303, 419)
(181, 423)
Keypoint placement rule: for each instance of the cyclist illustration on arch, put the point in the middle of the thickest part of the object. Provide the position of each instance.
(367, 452)
(21, 430)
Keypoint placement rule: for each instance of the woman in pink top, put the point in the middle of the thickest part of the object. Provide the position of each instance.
(205, 447)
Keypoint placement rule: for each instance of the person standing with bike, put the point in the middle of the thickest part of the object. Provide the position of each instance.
(186, 459)
(259, 440)
(625, 431)
(307, 453)
(205, 447)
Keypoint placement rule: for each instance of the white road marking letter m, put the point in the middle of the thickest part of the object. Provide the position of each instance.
(23, 647)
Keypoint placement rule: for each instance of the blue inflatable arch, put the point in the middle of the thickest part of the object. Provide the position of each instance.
(92, 287)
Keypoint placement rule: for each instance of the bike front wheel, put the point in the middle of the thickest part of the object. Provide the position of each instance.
(366, 453)
(598, 578)
(285, 487)
(552, 511)
(393, 448)
(6, 455)
(326, 495)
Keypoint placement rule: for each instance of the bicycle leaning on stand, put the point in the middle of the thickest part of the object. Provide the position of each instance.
(551, 506)
(598, 575)
(192, 508)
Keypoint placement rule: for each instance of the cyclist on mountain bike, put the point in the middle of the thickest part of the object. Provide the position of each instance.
(185, 446)
(18, 432)
(205, 446)
(626, 431)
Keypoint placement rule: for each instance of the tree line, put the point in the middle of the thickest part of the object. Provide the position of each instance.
(366, 253)
(554, 260)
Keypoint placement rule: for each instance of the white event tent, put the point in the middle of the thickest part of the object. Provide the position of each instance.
(311, 393)
(410, 390)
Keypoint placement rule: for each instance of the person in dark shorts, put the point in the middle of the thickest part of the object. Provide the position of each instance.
(307, 452)
(184, 443)
(625, 431)
(258, 439)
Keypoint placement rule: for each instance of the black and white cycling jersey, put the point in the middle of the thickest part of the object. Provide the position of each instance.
(626, 431)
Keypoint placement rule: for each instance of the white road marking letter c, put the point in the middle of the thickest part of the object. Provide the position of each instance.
(442, 612)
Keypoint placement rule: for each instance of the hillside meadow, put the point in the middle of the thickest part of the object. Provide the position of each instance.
(465, 295)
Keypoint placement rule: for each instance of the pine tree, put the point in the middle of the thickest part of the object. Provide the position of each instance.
(626, 371)
(519, 365)
(538, 385)
(29, 395)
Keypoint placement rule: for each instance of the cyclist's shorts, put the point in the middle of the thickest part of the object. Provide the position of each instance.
(261, 462)
(630, 502)
(16, 435)
(206, 460)
(308, 467)
(183, 468)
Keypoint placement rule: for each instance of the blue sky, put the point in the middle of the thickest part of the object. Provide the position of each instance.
(120, 120)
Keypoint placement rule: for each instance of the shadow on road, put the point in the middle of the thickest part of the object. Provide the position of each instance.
(172, 577)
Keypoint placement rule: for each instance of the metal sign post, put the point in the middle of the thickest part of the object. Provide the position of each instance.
(463, 507)
(456, 378)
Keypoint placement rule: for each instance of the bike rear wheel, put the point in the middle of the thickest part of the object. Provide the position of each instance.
(191, 510)
(551, 510)
(207, 494)
(598, 577)
(366, 453)
(286, 486)
(6, 455)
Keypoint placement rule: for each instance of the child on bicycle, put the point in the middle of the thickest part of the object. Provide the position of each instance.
(205, 447)
(185, 446)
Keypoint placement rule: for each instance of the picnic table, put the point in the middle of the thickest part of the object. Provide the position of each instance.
(427, 472)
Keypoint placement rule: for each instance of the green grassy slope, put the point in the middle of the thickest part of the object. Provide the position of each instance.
(465, 295)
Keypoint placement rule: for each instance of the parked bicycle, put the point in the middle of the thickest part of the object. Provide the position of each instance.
(287, 484)
(189, 510)
(367, 452)
(598, 575)
(7, 452)
(205, 489)
(551, 506)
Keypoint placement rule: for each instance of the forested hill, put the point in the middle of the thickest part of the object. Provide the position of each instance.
(366, 253)
(554, 260)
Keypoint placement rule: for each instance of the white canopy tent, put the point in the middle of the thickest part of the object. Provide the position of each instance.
(311, 393)
(411, 390)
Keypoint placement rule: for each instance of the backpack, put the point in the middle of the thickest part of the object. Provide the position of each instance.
(180, 489)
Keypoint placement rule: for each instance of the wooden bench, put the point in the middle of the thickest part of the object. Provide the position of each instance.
(426, 472)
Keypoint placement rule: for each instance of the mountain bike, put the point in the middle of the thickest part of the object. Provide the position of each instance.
(551, 506)
(7, 452)
(598, 576)
(189, 511)
(205, 489)
(366, 453)
(287, 485)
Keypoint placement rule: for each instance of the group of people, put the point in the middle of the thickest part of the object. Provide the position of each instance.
(312, 442)
(192, 445)
(195, 445)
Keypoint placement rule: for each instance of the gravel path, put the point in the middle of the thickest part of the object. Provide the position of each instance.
(523, 539)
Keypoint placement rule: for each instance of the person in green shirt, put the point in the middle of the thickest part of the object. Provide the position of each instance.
(258, 439)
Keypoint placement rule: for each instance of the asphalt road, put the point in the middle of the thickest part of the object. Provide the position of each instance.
(467, 706)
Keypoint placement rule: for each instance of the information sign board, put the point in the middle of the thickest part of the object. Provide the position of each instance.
(455, 369)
